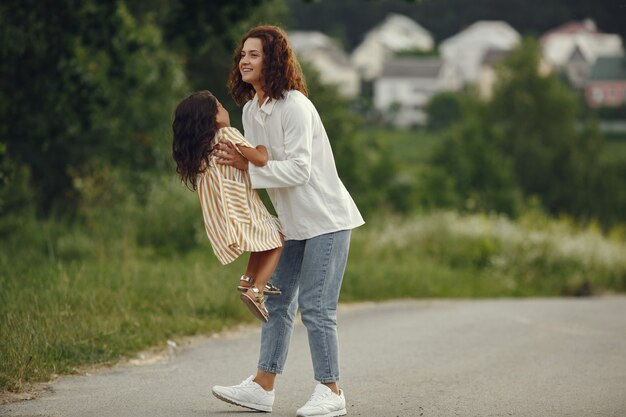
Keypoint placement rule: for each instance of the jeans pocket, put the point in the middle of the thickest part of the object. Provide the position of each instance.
(236, 199)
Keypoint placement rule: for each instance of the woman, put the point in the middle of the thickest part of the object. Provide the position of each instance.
(315, 211)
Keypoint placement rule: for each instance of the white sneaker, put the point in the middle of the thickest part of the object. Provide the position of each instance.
(323, 403)
(248, 394)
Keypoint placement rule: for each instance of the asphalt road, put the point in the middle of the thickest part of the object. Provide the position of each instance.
(532, 357)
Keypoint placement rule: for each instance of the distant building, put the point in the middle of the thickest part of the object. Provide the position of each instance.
(395, 34)
(332, 63)
(606, 86)
(487, 76)
(488, 70)
(406, 85)
(466, 49)
(574, 47)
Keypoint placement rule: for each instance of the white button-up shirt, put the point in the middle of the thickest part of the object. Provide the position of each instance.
(300, 177)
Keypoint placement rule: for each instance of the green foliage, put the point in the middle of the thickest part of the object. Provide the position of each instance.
(84, 86)
(444, 254)
(481, 175)
(206, 34)
(77, 294)
(555, 150)
(612, 113)
(444, 109)
(530, 141)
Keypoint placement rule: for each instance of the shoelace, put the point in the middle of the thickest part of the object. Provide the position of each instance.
(246, 382)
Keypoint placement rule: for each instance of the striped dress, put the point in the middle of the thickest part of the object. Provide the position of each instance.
(235, 218)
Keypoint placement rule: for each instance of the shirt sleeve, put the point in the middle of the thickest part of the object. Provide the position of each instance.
(297, 122)
(235, 136)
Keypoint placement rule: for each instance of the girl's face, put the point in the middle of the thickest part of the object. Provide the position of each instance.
(251, 62)
(222, 118)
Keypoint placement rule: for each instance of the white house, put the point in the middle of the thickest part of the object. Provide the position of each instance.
(406, 85)
(466, 49)
(332, 63)
(574, 47)
(396, 33)
(487, 76)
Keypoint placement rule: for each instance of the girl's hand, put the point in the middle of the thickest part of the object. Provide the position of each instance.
(227, 155)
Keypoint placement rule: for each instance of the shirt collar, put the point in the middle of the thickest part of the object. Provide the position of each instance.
(268, 105)
(264, 110)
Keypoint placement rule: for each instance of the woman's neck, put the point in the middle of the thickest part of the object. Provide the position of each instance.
(260, 94)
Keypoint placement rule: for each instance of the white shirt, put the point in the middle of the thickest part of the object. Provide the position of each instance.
(300, 177)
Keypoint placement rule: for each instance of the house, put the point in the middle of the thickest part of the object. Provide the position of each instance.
(488, 70)
(406, 85)
(606, 86)
(573, 48)
(466, 49)
(395, 34)
(332, 63)
(487, 75)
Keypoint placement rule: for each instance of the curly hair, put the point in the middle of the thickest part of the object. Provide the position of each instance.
(193, 129)
(281, 70)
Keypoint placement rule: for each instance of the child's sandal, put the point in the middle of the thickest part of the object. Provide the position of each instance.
(268, 290)
(256, 303)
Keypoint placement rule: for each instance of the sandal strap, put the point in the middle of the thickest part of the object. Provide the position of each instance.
(247, 279)
(271, 287)
(260, 298)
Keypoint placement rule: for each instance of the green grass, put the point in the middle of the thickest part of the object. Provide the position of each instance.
(116, 284)
(412, 148)
(614, 149)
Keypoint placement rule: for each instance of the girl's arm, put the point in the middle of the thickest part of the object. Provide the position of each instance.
(258, 156)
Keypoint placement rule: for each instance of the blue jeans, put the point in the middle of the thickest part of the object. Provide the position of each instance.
(309, 274)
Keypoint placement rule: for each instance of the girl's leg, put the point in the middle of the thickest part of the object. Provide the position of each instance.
(253, 265)
(261, 266)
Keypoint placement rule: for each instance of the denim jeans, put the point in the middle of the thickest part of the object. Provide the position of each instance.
(309, 274)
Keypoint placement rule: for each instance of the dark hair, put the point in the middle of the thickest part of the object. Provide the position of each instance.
(281, 69)
(194, 127)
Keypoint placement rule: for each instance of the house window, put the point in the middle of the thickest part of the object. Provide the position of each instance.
(598, 95)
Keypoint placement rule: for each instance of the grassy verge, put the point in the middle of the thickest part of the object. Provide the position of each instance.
(119, 284)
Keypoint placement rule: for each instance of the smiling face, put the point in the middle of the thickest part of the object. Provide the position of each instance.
(251, 62)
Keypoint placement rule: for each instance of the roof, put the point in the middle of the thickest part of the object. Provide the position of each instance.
(572, 27)
(413, 68)
(398, 32)
(304, 42)
(486, 32)
(609, 68)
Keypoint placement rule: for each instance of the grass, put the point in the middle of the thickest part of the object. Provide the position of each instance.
(117, 284)
(412, 147)
(614, 149)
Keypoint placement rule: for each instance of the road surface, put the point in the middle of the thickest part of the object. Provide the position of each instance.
(505, 357)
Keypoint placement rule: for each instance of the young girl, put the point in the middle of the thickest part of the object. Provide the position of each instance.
(235, 219)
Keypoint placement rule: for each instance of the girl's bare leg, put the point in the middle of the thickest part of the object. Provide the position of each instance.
(261, 266)
(253, 266)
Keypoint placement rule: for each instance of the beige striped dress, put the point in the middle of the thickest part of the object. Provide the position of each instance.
(235, 218)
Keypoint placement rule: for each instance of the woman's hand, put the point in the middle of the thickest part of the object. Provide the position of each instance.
(227, 155)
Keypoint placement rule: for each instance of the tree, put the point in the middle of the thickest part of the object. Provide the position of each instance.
(470, 172)
(537, 118)
(207, 33)
(82, 86)
(444, 109)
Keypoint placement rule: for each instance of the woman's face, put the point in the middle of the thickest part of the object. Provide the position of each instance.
(222, 118)
(251, 62)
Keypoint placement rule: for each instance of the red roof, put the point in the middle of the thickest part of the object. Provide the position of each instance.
(585, 26)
